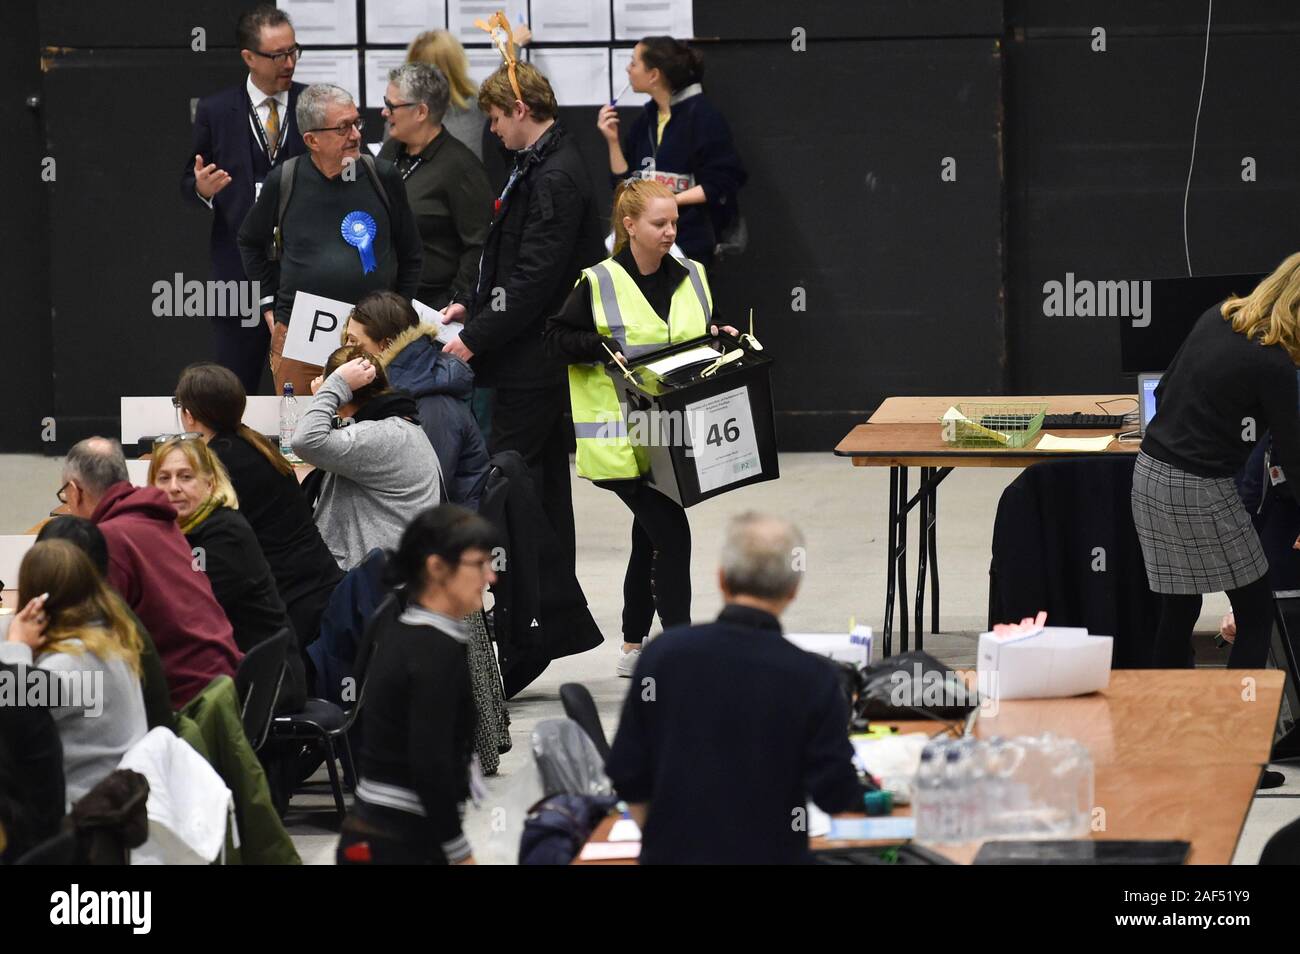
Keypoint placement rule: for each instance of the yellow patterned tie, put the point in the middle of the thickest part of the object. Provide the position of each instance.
(272, 128)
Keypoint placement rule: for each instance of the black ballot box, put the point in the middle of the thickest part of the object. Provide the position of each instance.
(706, 426)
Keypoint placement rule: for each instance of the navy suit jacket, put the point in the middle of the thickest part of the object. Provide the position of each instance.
(222, 135)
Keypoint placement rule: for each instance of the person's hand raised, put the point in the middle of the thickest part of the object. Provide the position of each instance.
(209, 180)
(356, 373)
(607, 122)
(28, 625)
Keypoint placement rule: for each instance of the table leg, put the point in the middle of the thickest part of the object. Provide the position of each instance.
(933, 550)
(902, 559)
(891, 564)
(922, 540)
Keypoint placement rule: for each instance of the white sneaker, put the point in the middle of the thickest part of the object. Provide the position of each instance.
(627, 662)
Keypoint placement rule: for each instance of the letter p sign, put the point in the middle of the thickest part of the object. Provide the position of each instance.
(317, 324)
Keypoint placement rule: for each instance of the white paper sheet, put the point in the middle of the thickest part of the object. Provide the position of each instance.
(580, 77)
(314, 328)
(635, 19)
(321, 21)
(400, 21)
(723, 441)
(610, 850)
(461, 15)
(431, 316)
(1050, 442)
(340, 67)
(378, 63)
(682, 359)
(569, 21)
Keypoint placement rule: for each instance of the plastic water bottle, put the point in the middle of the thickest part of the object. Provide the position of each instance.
(288, 420)
(954, 794)
(925, 796)
(976, 790)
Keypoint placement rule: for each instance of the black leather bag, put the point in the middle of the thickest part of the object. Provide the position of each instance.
(914, 686)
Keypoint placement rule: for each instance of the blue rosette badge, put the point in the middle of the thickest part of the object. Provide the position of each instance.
(359, 232)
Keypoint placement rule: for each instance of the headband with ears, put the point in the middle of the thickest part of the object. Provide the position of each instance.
(503, 38)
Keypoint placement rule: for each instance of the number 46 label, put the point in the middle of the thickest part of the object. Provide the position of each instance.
(722, 439)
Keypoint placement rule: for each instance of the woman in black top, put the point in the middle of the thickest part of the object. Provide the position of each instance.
(418, 733)
(212, 403)
(1233, 379)
(227, 551)
(445, 183)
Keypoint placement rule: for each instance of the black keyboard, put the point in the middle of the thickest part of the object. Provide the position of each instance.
(1081, 421)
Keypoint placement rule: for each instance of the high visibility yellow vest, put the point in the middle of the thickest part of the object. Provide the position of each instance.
(605, 448)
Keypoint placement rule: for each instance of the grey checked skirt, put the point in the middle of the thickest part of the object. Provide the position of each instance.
(1195, 533)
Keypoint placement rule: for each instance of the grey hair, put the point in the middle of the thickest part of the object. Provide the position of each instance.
(96, 463)
(423, 83)
(315, 100)
(762, 556)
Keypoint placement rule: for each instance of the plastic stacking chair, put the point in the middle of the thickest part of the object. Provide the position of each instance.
(1284, 847)
(581, 708)
(258, 682)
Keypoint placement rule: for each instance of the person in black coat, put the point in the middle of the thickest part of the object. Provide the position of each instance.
(226, 550)
(31, 774)
(731, 729)
(418, 734)
(546, 230)
(212, 404)
(679, 139)
(240, 134)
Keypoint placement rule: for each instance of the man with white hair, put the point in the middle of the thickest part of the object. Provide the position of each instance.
(152, 567)
(346, 230)
(728, 729)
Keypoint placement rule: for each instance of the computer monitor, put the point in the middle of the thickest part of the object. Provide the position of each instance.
(1173, 306)
(1146, 400)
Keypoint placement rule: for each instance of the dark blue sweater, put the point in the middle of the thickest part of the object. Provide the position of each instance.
(696, 146)
(727, 730)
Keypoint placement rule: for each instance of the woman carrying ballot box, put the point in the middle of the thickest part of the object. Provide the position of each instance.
(637, 301)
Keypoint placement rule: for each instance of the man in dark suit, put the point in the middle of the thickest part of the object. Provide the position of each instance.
(240, 134)
(729, 729)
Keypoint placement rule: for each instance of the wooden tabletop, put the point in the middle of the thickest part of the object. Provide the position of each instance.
(905, 432)
(1176, 754)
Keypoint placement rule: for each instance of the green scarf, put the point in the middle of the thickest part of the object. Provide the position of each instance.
(202, 512)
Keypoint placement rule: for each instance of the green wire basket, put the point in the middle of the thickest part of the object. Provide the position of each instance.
(1006, 424)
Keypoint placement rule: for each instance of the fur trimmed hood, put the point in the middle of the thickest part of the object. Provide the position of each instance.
(416, 363)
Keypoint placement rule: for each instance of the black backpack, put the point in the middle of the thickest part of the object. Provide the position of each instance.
(286, 190)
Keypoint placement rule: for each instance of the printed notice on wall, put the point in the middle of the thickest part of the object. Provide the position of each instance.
(317, 22)
(723, 442)
(340, 67)
(635, 19)
(401, 21)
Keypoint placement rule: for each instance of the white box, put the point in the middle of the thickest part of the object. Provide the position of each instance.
(854, 647)
(1047, 663)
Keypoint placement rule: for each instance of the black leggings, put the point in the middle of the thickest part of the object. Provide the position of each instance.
(1252, 607)
(659, 568)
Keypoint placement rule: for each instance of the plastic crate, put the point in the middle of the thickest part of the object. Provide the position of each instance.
(1006, 424)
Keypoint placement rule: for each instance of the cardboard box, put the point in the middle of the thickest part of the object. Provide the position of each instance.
(1044, 663)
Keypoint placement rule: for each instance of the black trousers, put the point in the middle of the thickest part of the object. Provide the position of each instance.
(1252, 607)
(242, 350)
(533, 422)
(659, 569)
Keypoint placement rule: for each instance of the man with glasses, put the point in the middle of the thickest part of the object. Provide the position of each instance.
(347, 229)
(240, 135)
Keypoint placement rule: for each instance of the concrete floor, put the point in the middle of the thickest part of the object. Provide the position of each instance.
(841, 510)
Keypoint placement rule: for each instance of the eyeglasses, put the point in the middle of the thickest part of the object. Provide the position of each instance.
(481, 565)
(392, 106)
(342, 128)
(279, 58)
(62, 493)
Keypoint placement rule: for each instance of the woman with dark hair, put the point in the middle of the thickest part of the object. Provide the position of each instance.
(86, 536)
(385, 324)
(212, 402)
(73, 630)
(379, 466)
(679, 140)
(418, 734)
